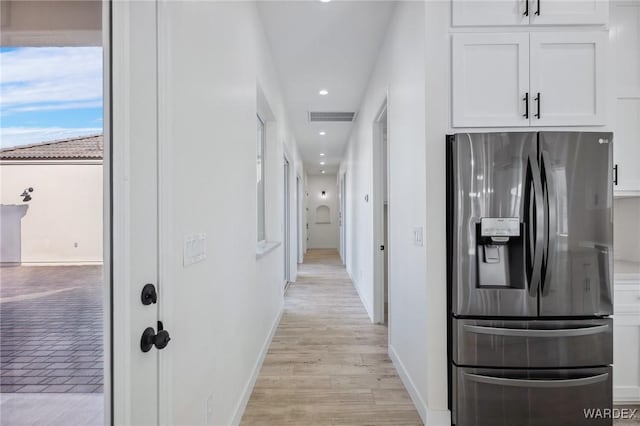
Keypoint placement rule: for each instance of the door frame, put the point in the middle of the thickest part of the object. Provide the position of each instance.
(343, 216)
(286, 216)
(124, 50)
(299, 221)
(378, 209)
(107, 215)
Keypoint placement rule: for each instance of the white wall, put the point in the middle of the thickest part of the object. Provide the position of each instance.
(400, 73)
(323, 235)
(222, 311)
(62, 224)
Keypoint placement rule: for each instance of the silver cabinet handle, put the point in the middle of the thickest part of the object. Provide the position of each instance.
(533, 383)
(527, 332)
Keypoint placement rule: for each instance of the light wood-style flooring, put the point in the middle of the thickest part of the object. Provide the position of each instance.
(328, 364)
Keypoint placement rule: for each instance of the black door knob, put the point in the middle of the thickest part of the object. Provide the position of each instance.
(150, 338)
(162, 339)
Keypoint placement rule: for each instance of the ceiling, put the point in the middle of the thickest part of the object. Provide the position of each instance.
(330, 46)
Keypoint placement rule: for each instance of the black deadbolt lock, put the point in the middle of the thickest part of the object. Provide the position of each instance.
(150, 338)
(149, 294)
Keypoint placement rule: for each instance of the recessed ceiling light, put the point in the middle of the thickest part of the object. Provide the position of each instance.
(323, 133)
(322, 154)
(323, 92)
(322, 171)
(322, 163)
(325, 1)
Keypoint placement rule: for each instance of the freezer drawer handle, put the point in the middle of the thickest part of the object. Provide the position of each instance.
(527, 332)
(529, 383)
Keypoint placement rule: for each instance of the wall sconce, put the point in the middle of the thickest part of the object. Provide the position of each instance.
(25, 195)
(323, 194)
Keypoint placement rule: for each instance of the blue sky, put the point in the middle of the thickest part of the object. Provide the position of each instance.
(49, 93)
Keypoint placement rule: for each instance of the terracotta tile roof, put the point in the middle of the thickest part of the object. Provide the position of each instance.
(81, 148)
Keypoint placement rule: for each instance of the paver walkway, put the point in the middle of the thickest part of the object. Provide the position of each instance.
(51, 329)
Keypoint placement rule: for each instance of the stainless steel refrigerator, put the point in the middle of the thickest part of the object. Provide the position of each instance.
(529, 252)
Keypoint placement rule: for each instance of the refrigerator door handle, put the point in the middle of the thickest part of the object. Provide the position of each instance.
(534, 263)
(527, 332)
(535, 383)
(552, 223)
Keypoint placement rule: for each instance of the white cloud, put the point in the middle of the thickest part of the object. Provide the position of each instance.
(16, 136)
(46, 78)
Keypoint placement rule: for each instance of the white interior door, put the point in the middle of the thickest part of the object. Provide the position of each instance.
(490, 75)
(134, 210)
(558, 58)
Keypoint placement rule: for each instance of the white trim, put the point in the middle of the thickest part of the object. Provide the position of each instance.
(121, 52)
(248, 388)
(626, 395)
(417, 399)
(363, 299)
(166, 274)
(107, 242)
(265, 247)
(623, 193)
(428, 416)
(378, 211)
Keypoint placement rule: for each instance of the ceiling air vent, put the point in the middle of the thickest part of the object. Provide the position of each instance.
(331, 116)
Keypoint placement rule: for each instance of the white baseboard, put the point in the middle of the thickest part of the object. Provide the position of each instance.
(417, 399)
(626, 394)
(428, 416)
(363, 299)
(248, 388)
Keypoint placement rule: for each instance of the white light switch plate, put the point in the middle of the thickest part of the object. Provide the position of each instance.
(195, 249)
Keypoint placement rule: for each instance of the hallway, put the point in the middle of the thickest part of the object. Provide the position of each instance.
(328, 364)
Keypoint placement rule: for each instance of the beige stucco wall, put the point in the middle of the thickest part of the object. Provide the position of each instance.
(63, 221)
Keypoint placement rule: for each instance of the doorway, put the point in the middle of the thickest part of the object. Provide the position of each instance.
(299, 221)
(342, 218)
(287, 222)
(54, 161)
(381, 215)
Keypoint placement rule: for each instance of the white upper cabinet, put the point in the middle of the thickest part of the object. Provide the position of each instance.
(489, 12)
(528, 79)
(567, 78)
(569, 12)
(529, 12)
(625, 36)
(490, 79)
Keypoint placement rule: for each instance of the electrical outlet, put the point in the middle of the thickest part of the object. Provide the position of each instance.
(210, 410)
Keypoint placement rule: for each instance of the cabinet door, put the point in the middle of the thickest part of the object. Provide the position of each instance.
(489, 12)
(490, 75)
(626, 146)
(625, 35)
(568, 12)
(567, 78)
(626, 343)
